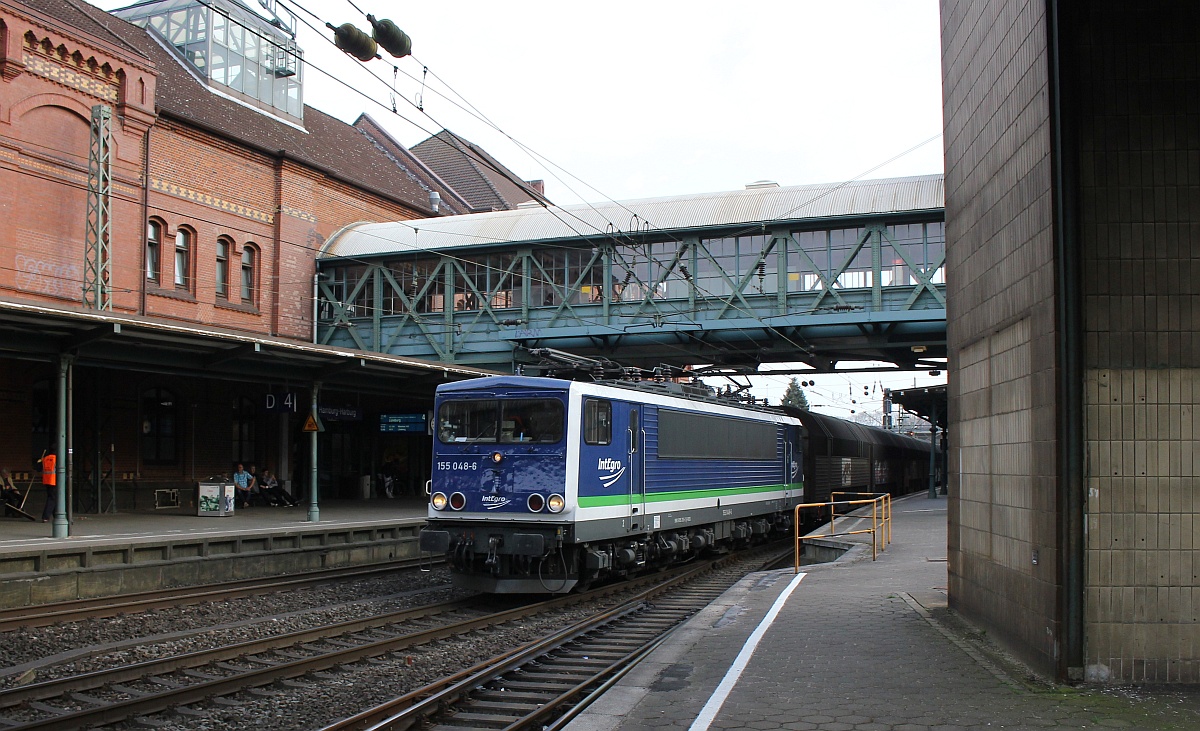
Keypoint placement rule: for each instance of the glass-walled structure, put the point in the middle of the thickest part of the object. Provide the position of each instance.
(457, 304)
(247, 51)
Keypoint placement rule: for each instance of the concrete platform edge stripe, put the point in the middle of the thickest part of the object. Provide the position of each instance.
(983, 662)
(710, 710)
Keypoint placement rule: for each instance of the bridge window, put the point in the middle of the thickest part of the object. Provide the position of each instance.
(490, 277)
(422, 284)
(923, 244)
(560, 270)
(343, 283)
(802, 276)
(858, 271)
(737, 258)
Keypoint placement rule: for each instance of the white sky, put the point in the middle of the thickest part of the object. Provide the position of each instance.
(658, 97)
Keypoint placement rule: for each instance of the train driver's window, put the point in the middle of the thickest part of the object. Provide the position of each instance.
(597, 421)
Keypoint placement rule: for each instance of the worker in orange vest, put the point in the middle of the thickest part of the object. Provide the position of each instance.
(50, 480)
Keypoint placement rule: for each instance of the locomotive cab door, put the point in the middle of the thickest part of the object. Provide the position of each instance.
(637, 482)
(792, 460)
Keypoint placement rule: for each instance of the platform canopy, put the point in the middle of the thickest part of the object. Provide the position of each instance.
(127, 342)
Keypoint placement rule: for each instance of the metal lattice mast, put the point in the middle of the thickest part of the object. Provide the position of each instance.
(97, 270)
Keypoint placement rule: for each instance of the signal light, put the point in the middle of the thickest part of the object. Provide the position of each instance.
(438, 501)
(556, 503)
(458, 501)
(496, 457)
(535, 502)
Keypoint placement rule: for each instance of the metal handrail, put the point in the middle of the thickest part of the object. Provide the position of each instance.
(881, 522)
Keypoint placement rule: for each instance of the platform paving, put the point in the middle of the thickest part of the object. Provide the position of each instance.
(92, 528)
(862, 645)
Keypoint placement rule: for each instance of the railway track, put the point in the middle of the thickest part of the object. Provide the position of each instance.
(188, 683)
(42, 615)
(142, 689)
(115, 694)
(543, 684)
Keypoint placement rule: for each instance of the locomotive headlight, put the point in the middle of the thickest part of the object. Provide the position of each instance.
(458, 501)
(536, 502)
(556, 503)
(496, 457)
(438, 501)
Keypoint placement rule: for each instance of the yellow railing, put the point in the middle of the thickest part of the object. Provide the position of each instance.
(881, 521)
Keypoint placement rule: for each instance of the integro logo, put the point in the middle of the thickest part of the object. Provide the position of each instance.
(491, 502)
(611, 471)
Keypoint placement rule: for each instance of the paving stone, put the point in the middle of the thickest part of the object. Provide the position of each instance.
(849, 652)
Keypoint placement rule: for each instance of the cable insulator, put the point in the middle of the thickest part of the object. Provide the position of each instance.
(389, 35)
(354, 42)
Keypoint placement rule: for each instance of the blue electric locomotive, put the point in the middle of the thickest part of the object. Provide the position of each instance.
(541, 485)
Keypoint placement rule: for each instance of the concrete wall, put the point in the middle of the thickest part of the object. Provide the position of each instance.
(1129, 156)
(1135, 118)
(1001, 323)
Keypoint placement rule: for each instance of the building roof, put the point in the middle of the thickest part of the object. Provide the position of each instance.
(78, 15)
(756, 205)
(345, 152)
(482, 180)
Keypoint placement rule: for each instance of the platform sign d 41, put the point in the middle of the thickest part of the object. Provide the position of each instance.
(281, 402)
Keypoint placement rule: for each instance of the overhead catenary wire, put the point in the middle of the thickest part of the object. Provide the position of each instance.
(623, 238)
(554, 210)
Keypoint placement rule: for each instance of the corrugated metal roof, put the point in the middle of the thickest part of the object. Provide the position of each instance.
(597, 220)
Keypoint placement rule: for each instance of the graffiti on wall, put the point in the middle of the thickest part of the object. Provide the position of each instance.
(49, 276)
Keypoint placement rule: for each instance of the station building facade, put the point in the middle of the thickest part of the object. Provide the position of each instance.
(1072, 142)
(221, 187)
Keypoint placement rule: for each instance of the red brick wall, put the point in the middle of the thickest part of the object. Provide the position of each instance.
(216, 188)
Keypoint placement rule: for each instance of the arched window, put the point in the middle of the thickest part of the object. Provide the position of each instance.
(183, 258)
(154, 231)
(158, 426)
(249, 273)
(224, 246)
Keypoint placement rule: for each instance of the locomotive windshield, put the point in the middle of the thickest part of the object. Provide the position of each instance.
(503, 421)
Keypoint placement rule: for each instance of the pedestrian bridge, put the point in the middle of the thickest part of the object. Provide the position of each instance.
(819, 274)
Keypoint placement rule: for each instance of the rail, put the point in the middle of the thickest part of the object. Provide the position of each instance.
(881, 521)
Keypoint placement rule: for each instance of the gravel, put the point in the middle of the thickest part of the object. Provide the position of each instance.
(314, 701)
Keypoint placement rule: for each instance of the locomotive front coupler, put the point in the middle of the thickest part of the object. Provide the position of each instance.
(494, 544)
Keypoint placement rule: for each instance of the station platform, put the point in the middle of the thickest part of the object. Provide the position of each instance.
(859, 645)
(110, 554)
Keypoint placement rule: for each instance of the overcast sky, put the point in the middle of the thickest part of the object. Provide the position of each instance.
(642, 99)
(657, 97)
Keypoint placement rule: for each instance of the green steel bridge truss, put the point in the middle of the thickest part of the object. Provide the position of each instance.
(871, 292)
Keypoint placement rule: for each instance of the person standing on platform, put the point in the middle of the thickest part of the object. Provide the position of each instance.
(244, 482)
(49, 463)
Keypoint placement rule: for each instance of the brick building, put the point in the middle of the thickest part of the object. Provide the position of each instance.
(223, 188)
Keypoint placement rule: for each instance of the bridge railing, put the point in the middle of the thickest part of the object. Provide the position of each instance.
(880, 516)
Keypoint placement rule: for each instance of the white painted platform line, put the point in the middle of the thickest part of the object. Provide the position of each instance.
(710, 710)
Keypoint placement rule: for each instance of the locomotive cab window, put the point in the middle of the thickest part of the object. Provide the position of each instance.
(503, 421)
(597, 421)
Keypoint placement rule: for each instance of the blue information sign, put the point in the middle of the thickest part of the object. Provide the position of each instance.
(413, 423)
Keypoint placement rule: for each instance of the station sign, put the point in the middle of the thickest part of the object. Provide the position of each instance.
(340, 413)
(408, 423)
(281, 402)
